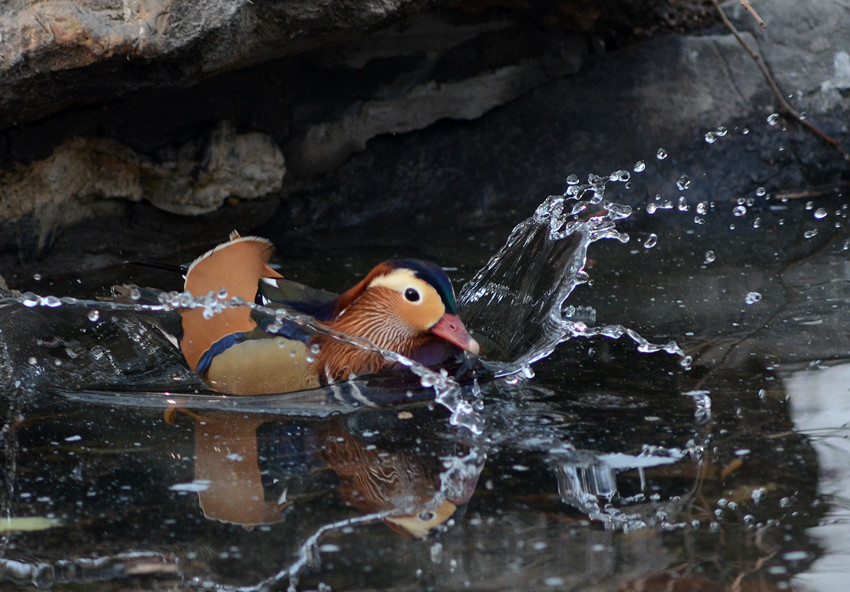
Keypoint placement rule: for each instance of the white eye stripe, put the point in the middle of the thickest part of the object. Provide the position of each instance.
(405, 282)
(396, 280)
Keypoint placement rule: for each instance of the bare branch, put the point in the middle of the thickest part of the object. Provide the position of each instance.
(784, 106)
(749, 8)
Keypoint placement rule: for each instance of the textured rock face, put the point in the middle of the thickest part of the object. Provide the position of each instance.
(72, 183)
(57, 53)
(320, 106)
(392, 110)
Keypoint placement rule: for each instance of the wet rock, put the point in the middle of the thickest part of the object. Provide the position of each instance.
(434, 73)
(198, 176)
(668, 93)
(321, 107)
(58, 53)
(83, 177)
(475, 109)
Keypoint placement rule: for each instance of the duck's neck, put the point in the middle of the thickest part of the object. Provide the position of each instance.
(337, 360)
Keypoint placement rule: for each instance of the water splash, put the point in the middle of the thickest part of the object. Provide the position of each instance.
(517, 303)
(100, 363)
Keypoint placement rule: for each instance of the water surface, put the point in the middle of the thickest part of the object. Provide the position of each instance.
(705, 448)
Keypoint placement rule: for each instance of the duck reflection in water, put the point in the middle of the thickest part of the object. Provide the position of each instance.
(253, 469)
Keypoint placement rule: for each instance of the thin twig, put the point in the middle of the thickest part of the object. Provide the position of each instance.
(814, 192)
(784, 106)
(749, 8)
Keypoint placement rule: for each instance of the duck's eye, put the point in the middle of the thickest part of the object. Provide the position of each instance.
(426, 516)
(412, 295)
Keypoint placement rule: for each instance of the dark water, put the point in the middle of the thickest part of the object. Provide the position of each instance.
(590, 462)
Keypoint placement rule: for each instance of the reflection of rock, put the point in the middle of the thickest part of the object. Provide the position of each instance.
(73, 182)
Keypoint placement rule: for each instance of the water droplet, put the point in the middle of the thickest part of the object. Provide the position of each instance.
(661, 154)
(757, 223)
(315, 349)
(185, 300)
(699, 220)
(761, 191)
(572, 180)
(651, 207)
(36, 277)
(721, 131)
(773, 119)
(710, 257)
(683, 204)
(758, 494)
(29, 300)
(437, 553)
(650, 241)
(135, 294)
(745, 131)
(683, 183)
(810, 205)
(52, 302)
(640, 166)
(32, 360)
(222, 293)
(94, 315)
(810, 234)
(752, 298)
(274, 327)
(820, 213)
(740, 211)
(702, 208)
(710, 138)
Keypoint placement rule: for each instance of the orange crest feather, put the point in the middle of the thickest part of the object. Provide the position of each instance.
(237, 266)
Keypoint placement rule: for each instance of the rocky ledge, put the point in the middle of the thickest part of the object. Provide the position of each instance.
(327, 111)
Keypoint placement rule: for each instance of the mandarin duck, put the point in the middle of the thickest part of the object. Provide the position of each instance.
(405, 306)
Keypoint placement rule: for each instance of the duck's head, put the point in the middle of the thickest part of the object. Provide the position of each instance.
(403, 301)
